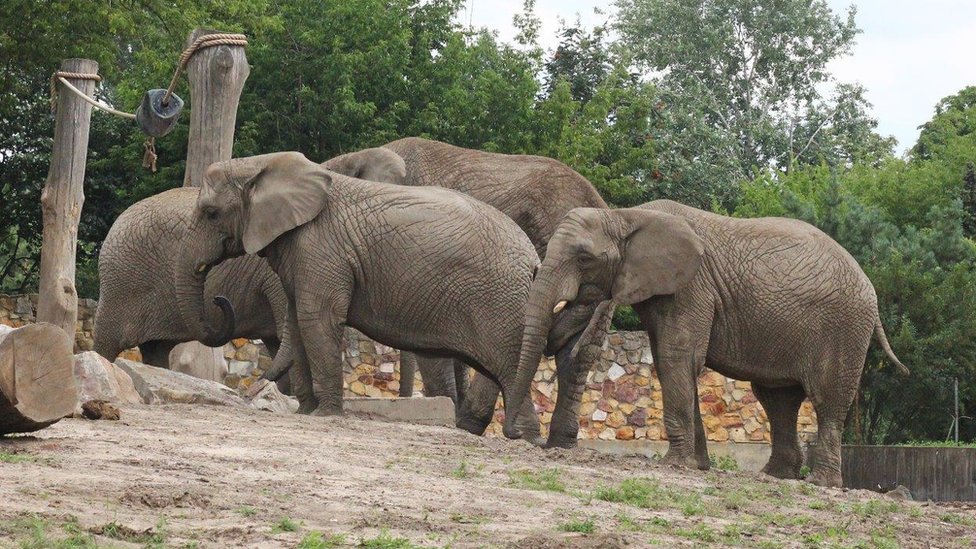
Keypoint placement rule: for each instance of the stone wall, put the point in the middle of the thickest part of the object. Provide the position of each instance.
(622, 399)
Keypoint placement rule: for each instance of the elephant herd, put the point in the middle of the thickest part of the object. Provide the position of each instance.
(464, 258)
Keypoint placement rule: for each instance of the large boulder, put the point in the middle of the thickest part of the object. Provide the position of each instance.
(264, 395)
(196, 359)
(99, 379)
(160, 386)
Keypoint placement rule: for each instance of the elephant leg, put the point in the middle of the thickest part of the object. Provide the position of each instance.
(299, 374)
(408, 368)
(478, 407)
(438, 375)
(782, 405)
(571, 373)
(156, 352)
(680, 394)
(272, 344)
(701, 443)
(831, 405)
(461, 380)
(322, 338)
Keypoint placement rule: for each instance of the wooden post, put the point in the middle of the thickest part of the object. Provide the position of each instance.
(216, 76)
(37, 383)
(62, 199)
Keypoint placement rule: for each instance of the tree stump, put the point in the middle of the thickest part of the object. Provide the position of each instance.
(37, 383)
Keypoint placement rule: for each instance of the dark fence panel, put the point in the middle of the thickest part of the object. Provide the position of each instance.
(938, 474)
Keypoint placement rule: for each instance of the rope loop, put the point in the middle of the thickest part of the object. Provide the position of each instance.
(71, 75)
(205, 41)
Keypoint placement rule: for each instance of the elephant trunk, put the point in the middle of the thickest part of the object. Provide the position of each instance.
(191, 277)
(546, 295)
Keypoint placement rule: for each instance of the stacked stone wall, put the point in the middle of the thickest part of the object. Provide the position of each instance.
(622, 399)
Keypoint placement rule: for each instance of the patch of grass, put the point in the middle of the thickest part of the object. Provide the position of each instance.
(33, 532)
(315, 540)
(819, 505)
(875, 508)
(723, 463)
(779, 519)
(735, 500)
(546, 480)
(953, 518)
(584, 526)
(699, 532)
(804, 471)
(915, 511)
(464, 471)
(466, 519)
(13, 457)
(648, 494)
(386, 541)
(152, 537)
(832, 533)
(286, 524)
(246, 511)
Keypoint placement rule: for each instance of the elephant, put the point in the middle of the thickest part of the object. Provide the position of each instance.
(427, 269)
(137, 305)
(772, 301)
(535, 192)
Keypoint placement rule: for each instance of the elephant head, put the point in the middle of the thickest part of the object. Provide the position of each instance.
(379, 164)
(243, 206)
(627, 255)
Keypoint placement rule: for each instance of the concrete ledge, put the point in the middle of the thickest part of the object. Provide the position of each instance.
(422, 410)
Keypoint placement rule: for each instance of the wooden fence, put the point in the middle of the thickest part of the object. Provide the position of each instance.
(937, 474)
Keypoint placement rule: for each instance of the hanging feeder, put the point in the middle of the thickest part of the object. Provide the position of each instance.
(155, 118)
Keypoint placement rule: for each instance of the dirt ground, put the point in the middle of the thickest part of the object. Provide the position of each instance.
(202, 476)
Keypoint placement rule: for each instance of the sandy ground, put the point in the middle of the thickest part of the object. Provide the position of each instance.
(201, 476)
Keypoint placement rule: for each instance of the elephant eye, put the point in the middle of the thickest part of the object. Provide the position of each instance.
(211, 213)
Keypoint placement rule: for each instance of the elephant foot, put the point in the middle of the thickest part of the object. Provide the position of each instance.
(675, 460)
(781, 469)
(324, 410)
(560, 442)
(471, 425)
(828, 479)
(535, 440)
(307, 407)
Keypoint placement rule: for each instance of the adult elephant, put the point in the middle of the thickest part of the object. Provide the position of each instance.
(421, 269)
(137, 304)
(535, 192)
(773, 301)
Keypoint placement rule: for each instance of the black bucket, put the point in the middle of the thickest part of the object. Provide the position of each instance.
(156, 119)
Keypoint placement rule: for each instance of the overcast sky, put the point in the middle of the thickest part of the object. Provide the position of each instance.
(910, 54)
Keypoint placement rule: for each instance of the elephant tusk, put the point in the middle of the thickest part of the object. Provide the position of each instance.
(202, 268)
(559, 307)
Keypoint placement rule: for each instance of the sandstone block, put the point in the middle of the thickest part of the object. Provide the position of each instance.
(599, 415)
(264, 395)
(159, 386)
(99, 379)
(625, 433)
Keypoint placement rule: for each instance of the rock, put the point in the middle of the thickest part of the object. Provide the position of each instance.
(599, 415)
(646, 357)
(638, 417)
(198, 360)
(159, 386)
(98, 379)
(386, 367)
(625, 433)
(616, 419)
(264, 395)
(99, 409)
(615, 371)
(900, 493)
(242, 368)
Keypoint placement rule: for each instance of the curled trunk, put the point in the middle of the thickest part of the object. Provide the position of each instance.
(190, 282)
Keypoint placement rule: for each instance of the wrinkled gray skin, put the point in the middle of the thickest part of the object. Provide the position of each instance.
(138, 305)
(535, 192)
(773, 301)
(459, 289)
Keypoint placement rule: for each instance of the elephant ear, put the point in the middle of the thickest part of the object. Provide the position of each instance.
(660, 254)
(287, 191)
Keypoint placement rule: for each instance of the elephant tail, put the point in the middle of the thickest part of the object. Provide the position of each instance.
(879, 335)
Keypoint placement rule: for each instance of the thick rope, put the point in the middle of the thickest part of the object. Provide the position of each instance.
(205, 41)
(61, 75)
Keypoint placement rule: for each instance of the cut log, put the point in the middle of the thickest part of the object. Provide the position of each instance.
(37, 383)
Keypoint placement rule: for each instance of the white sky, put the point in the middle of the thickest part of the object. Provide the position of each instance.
(910, 54)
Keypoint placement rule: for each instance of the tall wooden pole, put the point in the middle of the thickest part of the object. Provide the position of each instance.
(62, 199)
(216, 76)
